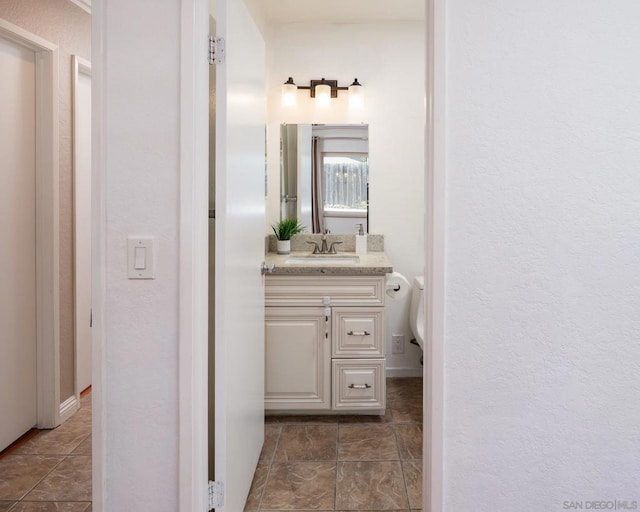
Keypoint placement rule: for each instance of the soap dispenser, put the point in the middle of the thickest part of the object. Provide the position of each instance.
(361, 240)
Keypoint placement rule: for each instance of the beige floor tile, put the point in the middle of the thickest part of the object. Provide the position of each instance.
(366, 418)
(307, 442)
(404, 387)
(409, 436)
(406, 410)
(84, 448)
(20, 473)
(69, 481)
(412, 470)
(58, 441)
(257, 487)
(271, 436)
(86, 402)
(300, 486)
(50, 506)
(370, 485)
(367, 442)
(80, 422)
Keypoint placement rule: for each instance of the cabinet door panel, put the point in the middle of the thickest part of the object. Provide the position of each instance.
(298, 354)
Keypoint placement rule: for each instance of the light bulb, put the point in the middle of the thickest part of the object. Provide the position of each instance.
(323, 95)
(289, 93)
(356, 94)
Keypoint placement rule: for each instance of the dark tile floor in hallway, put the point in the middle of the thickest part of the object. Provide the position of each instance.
(51, 471)
(344, 463)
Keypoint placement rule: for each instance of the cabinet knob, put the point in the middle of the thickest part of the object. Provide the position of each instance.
(359, 386)
(358, 333)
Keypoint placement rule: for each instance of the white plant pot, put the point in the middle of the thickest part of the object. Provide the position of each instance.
(283, 246)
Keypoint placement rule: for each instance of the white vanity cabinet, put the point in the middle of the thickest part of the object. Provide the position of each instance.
(297, 358)
(324, 340)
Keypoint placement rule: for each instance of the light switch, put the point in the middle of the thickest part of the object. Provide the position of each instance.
(140, 258)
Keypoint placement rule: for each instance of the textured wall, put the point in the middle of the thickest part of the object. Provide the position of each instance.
(68, 26)
(139, 85)
(543, 254)
(388, 59)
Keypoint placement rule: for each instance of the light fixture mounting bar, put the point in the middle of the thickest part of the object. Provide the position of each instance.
(331, 83)
(289, 88)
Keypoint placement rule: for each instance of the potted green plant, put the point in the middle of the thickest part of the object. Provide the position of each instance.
(284, 230)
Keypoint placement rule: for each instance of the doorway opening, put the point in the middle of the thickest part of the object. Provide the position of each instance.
(30, 301)
(39, 390)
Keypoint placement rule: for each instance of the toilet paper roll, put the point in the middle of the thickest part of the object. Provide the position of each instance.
(397, 286)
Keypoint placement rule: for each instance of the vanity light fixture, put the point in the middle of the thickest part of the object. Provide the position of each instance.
(322, 90)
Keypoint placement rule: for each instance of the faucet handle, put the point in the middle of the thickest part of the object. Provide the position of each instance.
(332, 249)
(316, 248)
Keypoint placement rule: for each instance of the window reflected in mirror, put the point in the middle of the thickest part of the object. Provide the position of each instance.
(325, 176)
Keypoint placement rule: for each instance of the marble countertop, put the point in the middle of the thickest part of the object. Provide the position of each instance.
(370, 264)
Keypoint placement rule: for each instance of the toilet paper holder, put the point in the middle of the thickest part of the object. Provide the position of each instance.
(397, 286)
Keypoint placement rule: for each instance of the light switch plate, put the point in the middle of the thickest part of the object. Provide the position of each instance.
(140, 267)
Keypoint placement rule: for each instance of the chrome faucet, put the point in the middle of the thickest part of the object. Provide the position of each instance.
(324, 248)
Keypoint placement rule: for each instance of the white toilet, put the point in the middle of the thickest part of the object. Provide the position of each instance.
(416, 316)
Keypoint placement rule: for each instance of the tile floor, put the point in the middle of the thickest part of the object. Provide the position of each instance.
(323, 463)
(343, 463)
(50, 472)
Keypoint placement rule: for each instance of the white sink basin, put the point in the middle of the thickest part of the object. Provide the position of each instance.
(324, 259)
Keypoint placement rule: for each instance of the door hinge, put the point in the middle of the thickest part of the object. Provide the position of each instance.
(216, 495)
(216, 50)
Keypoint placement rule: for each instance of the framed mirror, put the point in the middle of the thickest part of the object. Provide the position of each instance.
(324, 176)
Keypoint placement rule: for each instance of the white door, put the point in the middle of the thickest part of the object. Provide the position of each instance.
(17, 242)
(239, 250)
(82, 220)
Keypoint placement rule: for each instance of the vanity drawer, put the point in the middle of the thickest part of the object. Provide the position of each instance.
(283, 290)
(357, 332)
(359, 384)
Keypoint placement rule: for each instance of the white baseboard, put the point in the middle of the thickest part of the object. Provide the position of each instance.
(68, 408)
(85, 5)
(404, 372)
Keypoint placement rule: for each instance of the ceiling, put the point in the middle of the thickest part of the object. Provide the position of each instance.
(338, 11)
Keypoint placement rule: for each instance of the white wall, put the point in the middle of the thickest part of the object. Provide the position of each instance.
(388, 59)
(137, 75)
(543, 254)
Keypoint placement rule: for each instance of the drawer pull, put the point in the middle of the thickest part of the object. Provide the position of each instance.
(359, 386)
(359, 333)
